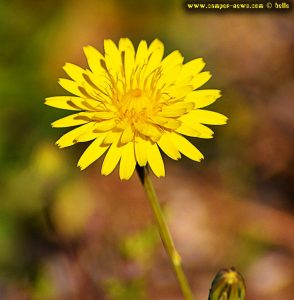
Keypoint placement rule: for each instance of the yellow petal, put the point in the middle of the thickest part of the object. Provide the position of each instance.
(200, 79)
(179, 91)
(150, 130)
(126, 44)
(98, 81)
(189, 131)
(75, 72)
(141, 53)
(166, 122)
(92, 105)
(177, 109)
(171, 60)
(88, 77)
(112, 136)
(186, 130)
(168, 147)
(93, 84)
(181, 104)
(81, 89)
(87, 136)
(73, 103)
(69, 138)
(104, 125)
(127, 162)
(104, 115)
(156, 47)
(94, 58)
(87, 90)
(155, 160)
(208, 117)
(111, 159)
(65, 102)
(155, 54)
(203, 131)
(127, 52)
(169, 75)
(112, 57)
(73, 120)
(186, 147)
(203, 98)
(127, 135)
(92, 153)
(172, 112)
(191, 68)
(71, 86)
(141, 150)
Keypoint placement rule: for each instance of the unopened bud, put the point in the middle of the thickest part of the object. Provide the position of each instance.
(228, 284)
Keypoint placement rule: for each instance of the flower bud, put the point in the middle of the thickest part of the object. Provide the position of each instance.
(228, 284)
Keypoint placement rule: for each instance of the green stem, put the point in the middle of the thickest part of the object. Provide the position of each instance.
(165, 235)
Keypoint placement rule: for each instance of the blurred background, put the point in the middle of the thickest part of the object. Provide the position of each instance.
(66, 234)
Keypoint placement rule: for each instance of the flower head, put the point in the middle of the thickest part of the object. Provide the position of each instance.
(133, 103)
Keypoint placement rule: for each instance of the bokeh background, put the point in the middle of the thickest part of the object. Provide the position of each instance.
(66, 234)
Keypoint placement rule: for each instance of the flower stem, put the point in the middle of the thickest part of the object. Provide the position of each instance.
(165, 235)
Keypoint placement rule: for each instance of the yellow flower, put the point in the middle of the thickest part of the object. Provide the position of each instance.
(133, 103)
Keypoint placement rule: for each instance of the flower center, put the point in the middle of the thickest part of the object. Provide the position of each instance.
(135, 105)
(136, 92)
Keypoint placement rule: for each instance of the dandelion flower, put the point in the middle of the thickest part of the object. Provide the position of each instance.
(134, 104)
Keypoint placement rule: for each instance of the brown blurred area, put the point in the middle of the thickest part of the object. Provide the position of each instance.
(66, 234)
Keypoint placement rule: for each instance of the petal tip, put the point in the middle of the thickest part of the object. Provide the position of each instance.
(65, 65)
(60, 81)
(122, 177)
(80, 166)
(87, 47)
